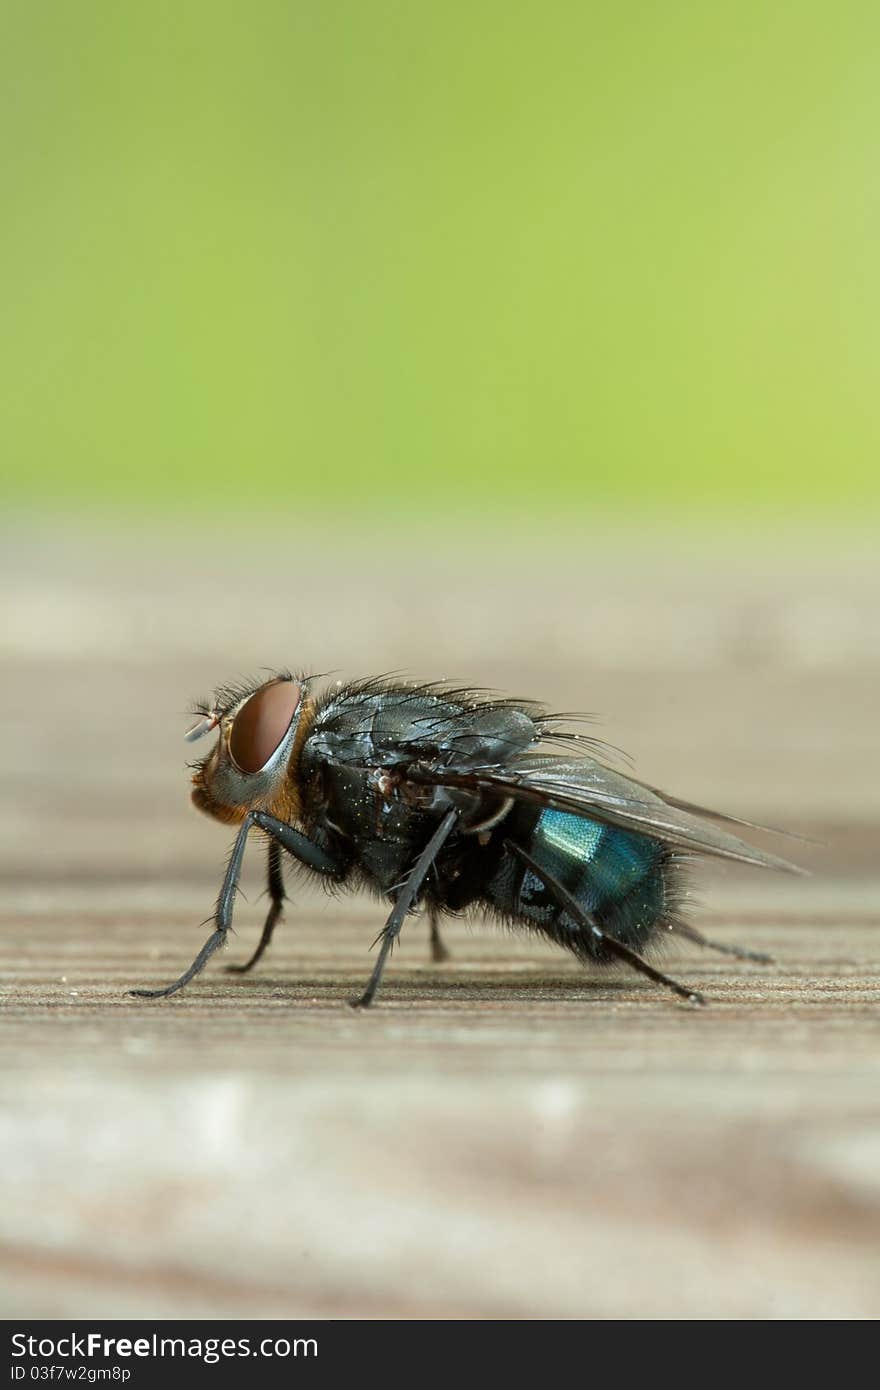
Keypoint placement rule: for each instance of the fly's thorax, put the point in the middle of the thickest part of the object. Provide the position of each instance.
(385, 724)
(255, 763)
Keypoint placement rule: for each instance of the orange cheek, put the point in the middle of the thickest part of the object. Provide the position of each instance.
(204, 802)
(283, 803)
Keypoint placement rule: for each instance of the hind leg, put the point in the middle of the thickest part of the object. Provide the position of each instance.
(691, 933)
(603, 942)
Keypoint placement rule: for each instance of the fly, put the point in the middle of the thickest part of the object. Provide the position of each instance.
(452, 799)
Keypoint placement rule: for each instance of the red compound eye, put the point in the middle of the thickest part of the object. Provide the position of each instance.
(261, 723)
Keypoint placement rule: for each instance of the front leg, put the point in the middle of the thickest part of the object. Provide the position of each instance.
(276, 907)
(297, 844)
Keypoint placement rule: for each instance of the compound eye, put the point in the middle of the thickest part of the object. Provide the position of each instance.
(260, 725)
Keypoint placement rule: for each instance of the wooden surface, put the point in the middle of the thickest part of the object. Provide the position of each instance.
(503, 1136)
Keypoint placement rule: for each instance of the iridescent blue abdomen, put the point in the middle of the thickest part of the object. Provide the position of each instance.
(619, 878)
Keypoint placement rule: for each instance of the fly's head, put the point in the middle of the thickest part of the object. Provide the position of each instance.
(254, 761)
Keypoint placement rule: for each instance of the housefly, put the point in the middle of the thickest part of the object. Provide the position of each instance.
(451, 799)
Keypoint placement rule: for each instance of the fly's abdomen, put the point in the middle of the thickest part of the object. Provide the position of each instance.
(619, 878)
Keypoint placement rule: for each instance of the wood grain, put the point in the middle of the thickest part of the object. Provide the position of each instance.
(503, 1136)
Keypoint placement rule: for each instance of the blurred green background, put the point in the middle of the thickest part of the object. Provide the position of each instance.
(521, 257)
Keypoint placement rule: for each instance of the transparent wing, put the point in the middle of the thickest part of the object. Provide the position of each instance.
(585, 787)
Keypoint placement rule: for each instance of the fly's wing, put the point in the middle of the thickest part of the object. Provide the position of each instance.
(587, 788)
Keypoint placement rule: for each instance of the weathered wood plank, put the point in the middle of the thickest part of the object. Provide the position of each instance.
(506, 1135)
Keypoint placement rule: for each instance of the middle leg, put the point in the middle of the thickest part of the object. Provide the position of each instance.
(439, 950)
(404, 901)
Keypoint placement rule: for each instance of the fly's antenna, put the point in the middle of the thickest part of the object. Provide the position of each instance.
(204, 726)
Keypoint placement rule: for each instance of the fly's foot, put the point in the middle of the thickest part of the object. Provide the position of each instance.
(154, 993)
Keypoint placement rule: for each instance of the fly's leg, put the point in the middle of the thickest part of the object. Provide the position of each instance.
(222, 920)
(405, 900)
(276, 907)
(609, 943)
(297, 844)
(439, 951)
(682, 929)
